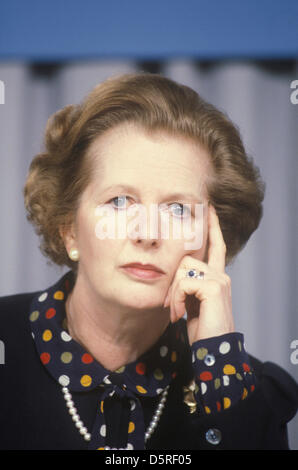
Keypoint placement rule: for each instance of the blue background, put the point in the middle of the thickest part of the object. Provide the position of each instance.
(60, 30)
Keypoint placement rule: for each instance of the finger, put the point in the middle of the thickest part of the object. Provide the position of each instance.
(185, 287)
(217, 246)
(187, 263)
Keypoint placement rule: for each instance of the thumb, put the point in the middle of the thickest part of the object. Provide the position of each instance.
(167, 299)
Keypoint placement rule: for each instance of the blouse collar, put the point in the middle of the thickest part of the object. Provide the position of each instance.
(74, 367)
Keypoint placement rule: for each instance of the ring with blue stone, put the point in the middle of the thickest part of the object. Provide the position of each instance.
(192, 273)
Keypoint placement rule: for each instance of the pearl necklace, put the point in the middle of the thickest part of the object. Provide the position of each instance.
(87, 436)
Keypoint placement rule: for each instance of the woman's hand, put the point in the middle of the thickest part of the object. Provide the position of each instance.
(208, 301)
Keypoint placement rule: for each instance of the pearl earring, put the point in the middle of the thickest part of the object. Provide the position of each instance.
(74, 254)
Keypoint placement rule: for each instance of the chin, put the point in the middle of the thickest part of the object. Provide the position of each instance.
(140, 301)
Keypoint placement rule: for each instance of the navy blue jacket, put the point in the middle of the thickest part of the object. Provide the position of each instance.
(33, 415)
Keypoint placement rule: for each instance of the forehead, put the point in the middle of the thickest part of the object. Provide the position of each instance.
(127, 155)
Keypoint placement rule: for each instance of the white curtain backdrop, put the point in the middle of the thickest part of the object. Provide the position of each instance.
(257, 99)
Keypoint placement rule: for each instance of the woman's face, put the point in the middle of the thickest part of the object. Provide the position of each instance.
(152, 169)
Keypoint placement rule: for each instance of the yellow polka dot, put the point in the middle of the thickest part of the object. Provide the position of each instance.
(226, 403)
(207, 410)
(101, 406)
(34, 315)
(174, 356)
(120, 370)
(86, 380)
(239, 376)
(244, 394)
(201, 353)
(100, 448)
(131, 427)
(47, 335)
(141, 389)
(58, 295)
(229, 369)
(158, 374)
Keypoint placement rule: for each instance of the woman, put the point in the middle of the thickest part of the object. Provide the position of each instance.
(135, 346)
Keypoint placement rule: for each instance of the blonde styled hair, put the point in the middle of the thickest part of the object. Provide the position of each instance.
(58, 176)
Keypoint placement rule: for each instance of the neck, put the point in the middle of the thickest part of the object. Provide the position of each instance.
(114, 337)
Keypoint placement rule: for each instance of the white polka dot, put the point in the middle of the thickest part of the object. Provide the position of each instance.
(163, 351)
(64, 380)
(226, 380)
(159, 391)
(203, 388)
(65, 336)
(103, 430)
(193, 358)
(225, 347)
(132, 405)
(130, 446)
(106, 380)
(33, 336)
(43, 297)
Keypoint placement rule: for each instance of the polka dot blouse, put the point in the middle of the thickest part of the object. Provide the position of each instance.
(221, 370)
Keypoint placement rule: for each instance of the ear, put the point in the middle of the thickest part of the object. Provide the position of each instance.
(68, 235)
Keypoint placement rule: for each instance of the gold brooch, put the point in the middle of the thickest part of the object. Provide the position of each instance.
(189, 398)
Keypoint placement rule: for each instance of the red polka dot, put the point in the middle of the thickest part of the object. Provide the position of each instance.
(205, 376)
(252, 388)
(246, 367)
(141, 368)
(218, 406)
(45, 358)
(87, 358)
(50, 313)
(174, 375)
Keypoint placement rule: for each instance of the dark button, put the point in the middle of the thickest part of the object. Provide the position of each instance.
(213, 436)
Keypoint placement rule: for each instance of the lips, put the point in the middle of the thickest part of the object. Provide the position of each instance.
(149, 267)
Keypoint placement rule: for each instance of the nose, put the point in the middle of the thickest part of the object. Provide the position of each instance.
(145, 242)
(146, 230)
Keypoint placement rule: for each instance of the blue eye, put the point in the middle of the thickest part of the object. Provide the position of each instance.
(183, 211)
(117, 206)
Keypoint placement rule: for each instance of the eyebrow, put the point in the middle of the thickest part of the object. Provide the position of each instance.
(125, 187)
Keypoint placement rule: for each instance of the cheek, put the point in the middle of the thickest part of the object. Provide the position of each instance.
(91, 245)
